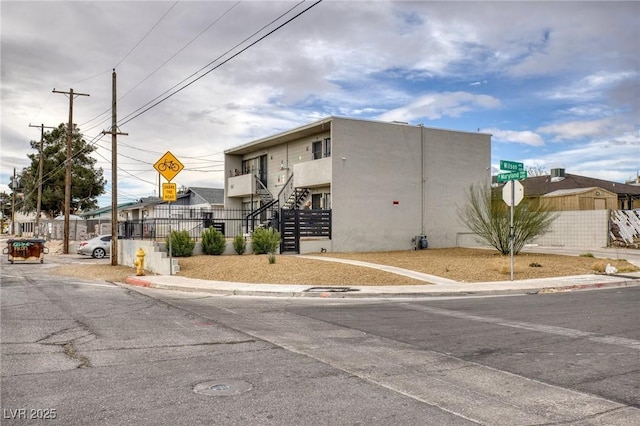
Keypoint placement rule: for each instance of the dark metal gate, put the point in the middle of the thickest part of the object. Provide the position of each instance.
(295, 224)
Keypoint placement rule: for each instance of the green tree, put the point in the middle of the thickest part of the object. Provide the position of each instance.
(87, 181)
(489, 218)
(5, 206)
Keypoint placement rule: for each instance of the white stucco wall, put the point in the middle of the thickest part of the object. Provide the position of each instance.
(378, 197)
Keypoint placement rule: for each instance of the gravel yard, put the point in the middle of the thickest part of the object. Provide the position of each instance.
(460, 264)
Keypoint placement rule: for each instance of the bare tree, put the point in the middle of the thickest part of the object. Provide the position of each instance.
(490, 219)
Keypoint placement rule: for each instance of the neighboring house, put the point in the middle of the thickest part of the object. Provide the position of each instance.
(104, 213)
(194, 203)
(194, 210)
(143, 209)
(383, 183)
(579, 199)
(580, 192)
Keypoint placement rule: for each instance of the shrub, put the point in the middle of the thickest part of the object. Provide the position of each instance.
(265, 240)
(490, 219)
(181, 244)
(240, 244)
(213, 242)
(272, 258)
(586, 255)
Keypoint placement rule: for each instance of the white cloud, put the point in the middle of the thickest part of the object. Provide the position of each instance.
(404, 61)
(573, 130)
(437, 105)
(591, 87)
(510, 136)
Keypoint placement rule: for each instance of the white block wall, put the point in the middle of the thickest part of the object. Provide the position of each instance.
(583, 228)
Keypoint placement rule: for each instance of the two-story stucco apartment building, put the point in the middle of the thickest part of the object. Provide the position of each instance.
(383, 183)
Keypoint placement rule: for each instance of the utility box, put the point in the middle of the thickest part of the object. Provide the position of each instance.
(420, 242)
(24, 250)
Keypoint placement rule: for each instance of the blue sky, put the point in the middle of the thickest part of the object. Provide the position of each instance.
(557, 84)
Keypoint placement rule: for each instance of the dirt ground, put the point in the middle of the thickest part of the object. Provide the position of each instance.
(460, 264)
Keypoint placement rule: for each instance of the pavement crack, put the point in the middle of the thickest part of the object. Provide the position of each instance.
(185, 345)
(70, 351)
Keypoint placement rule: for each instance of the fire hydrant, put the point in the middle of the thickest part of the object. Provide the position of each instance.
(139, 262)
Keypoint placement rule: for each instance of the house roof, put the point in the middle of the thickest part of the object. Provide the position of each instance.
(143, 202)
(210, 195)
(574, 191)
(540, 185)
(104, 210)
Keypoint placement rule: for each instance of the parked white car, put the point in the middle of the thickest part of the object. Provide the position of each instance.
(98, 247)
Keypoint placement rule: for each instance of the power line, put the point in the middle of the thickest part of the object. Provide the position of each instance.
(148, 32)
(165, 62)
(142, 111)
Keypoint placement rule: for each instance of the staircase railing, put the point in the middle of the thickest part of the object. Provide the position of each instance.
(269, 203)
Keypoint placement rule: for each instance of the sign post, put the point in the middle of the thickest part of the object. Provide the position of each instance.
(512, 194)
(169, 166)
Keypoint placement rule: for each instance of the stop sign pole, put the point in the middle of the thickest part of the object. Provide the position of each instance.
(512, 194)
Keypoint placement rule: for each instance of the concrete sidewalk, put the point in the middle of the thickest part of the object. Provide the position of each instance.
(434, 286)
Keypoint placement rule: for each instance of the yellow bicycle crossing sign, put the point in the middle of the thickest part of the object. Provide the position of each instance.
(168, 166)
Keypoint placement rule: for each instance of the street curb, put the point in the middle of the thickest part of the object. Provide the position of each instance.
(627, 282)
(138, 281)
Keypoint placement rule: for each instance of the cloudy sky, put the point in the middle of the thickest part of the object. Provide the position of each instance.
(557, 84)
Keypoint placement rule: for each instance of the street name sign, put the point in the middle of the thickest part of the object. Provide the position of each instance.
(511, 166)
(168, 166)
(505, 177)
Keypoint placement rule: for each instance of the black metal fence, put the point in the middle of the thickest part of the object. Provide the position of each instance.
(229, 222)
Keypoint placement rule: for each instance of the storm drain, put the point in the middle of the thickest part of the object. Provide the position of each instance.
(222, 387)
(330, 289)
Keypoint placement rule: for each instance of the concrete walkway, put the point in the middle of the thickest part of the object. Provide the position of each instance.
(437, 286)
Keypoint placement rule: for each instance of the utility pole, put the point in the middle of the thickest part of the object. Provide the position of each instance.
(114, 171)
(13, 203)
(40, 165)
(67, 177)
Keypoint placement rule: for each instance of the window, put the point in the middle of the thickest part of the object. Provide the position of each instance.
(327, 147)
(326, 201)
(316, 150)
(319, 148)
(316, 201)
(256, 166)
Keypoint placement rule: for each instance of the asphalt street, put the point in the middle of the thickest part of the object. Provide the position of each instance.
(97, 353)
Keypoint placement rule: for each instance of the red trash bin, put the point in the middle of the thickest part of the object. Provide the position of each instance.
(23, 250)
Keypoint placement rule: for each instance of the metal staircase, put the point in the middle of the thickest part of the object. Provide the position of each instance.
(296, 198)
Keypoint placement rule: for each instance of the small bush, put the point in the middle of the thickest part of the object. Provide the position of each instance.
(272, 258)
(240, 244)
(213, 242)
(182, 244)
(586, 255)
(265, 240)
(535, 265)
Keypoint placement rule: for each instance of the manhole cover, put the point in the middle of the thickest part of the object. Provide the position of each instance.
(222, 387)
(330, 289)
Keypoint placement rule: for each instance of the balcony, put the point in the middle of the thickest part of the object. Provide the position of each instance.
(313, 173)
(241, 186)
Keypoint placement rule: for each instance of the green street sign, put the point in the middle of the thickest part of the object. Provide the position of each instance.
(505, 177)
(511, 166)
